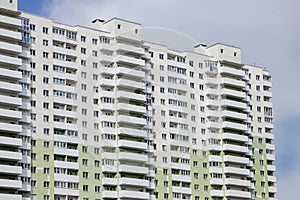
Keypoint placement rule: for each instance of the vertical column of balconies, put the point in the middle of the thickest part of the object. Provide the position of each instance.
(269, 136)
(25, 108)
(123, 105)
(11, 111)
(65, 108)
(213, 140)
(235, 140)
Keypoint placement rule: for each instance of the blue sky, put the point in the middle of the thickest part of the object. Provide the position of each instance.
(267, 31)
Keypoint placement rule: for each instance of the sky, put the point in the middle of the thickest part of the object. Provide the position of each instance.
(267, 32)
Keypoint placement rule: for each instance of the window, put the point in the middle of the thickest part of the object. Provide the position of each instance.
(46, 157)
(83, 50)
(161, 67)
(32, 27)
(46, 144)
(162, 79)
(221, 50)
(257, 77)
(46, 184)
(45, 42)
(45, 54)
(46, 67)
(94, 41)
(258, 88)
(165, 159)
(46, 170)
(94, 53)
(45, 30)
(85, 188)
(119, 26)
(83, 38)
(161, 56)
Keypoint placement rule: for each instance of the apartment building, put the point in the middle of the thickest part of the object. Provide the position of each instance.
(99, 113)
(15, 95)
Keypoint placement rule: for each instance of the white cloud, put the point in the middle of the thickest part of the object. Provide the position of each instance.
(267, 31)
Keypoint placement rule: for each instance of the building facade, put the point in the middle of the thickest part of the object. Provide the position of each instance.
(90, 113)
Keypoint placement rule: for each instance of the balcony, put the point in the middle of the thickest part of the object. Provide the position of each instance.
(218, 170)
(63, 125)
(130, 60)
(236, 159)
(178, 177)
(66, 191)
(271, 168)
(66, 178)
(183, 190)
(132, 144)
(107, 70)
(109, 168)
(134, 182)
(132, 132)
(236, 170)
(272, 179)
(106, 47)
(235, 148)
(130, 72)
(272, 189)
(212, 113)
(9, 169)
(61, 50)
(69, 64)
(107, 59)
(10, 127)
(104, 93)
(67, 165)
(232, 71)
(233, 82)
(211, 102)
(65, 138)
(130, 49)
(109, 181)
(13, 48)
(126, 194)
(11, 35)
(11, 87)
(9, 21)
(63, 38)
(216, 181)
(133, 169)
(212, 124)
(8, 141)
(231, 114)
(10, 114)
(131, 108)
(25, 93)
(237, 182)
(212, 91)
(63, 100)
(67, 152)
(217, 193)
(110, 194)
(130, 84)
(233, 93)
(10, 100)
(137, 157)
(234, 137)
(107, 82)
(11, 184)
(212, 158)
(233, 125)
(11, 196)
(235, 104)
(238, 194)
(270, 156)
(65, 113)
(131, 120)
(107, 106)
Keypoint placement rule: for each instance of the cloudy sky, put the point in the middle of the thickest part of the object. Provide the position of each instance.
(267, 31)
